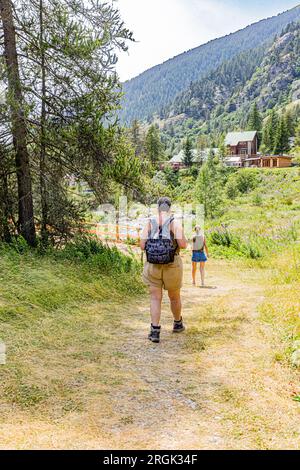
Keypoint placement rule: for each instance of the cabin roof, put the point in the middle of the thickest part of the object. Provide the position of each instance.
(233, 159)
(197, 155)
(234, 138)
(179, 158)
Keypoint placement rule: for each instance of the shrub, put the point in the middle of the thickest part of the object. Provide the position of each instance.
(251, 250)
(258, 200)
(94, 252)
(231, 189)
(288, 201)
(242, 182)
(223, 237)
(19, 244)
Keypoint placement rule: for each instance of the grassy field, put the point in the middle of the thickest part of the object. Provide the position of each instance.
(282, 305)
(262, 226)
(265, 218)
(80, 372)
(55, 313)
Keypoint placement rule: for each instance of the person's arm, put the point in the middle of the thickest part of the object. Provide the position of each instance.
(206, 249)
(179, 234)
(144, 236)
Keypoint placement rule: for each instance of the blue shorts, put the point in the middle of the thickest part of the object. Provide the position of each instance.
(199, 257)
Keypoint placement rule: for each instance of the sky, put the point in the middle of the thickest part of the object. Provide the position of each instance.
(165, 28)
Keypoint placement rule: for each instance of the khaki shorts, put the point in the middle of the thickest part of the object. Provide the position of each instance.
(167, 276)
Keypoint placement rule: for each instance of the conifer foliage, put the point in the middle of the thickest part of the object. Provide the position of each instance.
(188, 154)
(57, 122)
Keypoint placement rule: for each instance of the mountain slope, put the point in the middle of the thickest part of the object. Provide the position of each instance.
(216, 88)
(154, 89)
(277, 81)
(270, 77)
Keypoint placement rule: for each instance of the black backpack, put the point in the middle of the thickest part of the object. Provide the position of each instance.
(161, 250)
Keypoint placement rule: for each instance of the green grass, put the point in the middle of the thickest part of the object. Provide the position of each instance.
(263, 221)
(260, 227)
(263, 225)
(282, 304)
(57, 309)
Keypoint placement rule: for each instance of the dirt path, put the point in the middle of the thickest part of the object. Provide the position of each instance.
(217, 386)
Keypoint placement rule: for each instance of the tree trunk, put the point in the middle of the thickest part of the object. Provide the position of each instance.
(4, 205)
(6, 211)
(43, 183)
(18, 122)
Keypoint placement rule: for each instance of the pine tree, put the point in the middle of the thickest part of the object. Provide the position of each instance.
(188, 152)
(289, 119)
(297, 144)
(255, 121)
(136, 138)
(274, 122)
(18, 124)
(222, 149)
(210, 186)
(270, 132)
(282, 137)
(153, 145)
(63, 92)
(265, 142)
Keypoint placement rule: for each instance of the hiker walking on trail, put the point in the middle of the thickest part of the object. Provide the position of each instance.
(162, 239)
(199, 257)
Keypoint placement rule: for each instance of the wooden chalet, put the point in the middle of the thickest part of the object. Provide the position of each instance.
(242, 151)
(269, 161)
(241, 144)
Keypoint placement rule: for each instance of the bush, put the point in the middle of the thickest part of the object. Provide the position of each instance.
(95, 253)
(19, 244)
(222, 237)
(251, 250)
(231, 189)
(242, 182)
(257, 200)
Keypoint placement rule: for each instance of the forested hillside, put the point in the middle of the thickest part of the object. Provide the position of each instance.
(202, 96)
(221, 101)
(151, 91)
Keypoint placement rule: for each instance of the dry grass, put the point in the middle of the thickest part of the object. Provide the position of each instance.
(81, 374)
(281, 308)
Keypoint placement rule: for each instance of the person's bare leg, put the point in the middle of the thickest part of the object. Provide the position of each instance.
(194, 271)
(155, 308)
(202, 272)
(176, 305)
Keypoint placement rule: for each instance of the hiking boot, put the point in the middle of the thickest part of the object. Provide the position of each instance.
(154, 335)
(178, 326)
